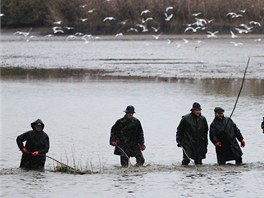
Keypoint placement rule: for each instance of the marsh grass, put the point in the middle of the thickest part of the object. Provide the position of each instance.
(77, 167)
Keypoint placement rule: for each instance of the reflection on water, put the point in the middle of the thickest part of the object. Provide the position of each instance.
(231, 87)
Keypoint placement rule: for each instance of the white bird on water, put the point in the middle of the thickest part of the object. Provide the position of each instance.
(236, 44)
(119, 34)
(25, 34)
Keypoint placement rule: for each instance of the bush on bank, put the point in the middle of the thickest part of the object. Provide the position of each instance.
(88, 15)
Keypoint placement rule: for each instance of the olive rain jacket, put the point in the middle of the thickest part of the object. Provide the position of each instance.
(226, 131)
(35, 141)
(192, 135)
(128, 134)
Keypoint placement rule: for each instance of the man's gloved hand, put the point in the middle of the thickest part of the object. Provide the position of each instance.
(243, 143)
(142, 147)
(179, 144)
(218, 144)
(36, 153)
(24, 150)
(114, 143)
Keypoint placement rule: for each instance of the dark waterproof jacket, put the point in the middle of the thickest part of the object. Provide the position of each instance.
(192, 134)
(226, 132)
(35, 141)
(128, 134)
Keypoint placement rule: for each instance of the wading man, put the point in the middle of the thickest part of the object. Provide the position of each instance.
(128, 138)
(224, 134)
(192, 135)
(36, 146)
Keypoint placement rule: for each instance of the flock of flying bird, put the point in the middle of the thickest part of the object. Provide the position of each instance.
(198, 26)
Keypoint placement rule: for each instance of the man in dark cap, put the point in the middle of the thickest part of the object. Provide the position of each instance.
(128, 139)
(37, 145)
(192, 135)
(262, 125)
(224, 134)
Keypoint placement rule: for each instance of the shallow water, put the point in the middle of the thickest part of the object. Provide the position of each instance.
(78, 113)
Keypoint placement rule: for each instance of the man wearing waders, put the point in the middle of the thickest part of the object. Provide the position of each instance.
(192, 135)
(128, 139)
(224, 134)
(37, 145)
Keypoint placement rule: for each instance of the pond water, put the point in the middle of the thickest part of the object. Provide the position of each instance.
(79, 112)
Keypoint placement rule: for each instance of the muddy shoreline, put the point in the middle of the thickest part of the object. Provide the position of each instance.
(92, 74)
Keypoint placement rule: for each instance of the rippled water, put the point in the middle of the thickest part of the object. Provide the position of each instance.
(79, 112)
(78, 117)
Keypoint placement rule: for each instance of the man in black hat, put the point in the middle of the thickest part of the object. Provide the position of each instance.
(128, 138)
(224, 134)
(192, 135)
(37, 145)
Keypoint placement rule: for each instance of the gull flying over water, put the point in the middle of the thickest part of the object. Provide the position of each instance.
(155, 29)
(57, 22)
(144, 12)
(119, 34)
(168, 17)
(91, 11)
(196, 14)
(145, 20)
(212, 34)
(156, 36)
(233, 34)
(168, 8)
(83, 19)
(192, 29)
(57, 29)
(109, 19)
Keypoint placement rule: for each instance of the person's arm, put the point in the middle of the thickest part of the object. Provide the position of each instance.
(21, 138)
(113, 138)
(179, 132)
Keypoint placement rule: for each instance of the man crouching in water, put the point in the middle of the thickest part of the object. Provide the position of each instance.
(37, 145)
(128, 138)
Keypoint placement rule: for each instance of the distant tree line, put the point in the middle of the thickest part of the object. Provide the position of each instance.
(89, 16)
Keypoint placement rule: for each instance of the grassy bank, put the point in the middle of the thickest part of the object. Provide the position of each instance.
(88, 15)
